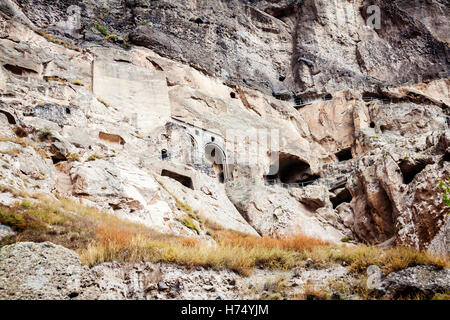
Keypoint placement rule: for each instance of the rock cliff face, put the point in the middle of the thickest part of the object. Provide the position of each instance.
(128, 106)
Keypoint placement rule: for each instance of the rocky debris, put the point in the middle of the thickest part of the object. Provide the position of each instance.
(374, 277)
(5, 231)
(42, 271)
(314, 197)
(162, 286)
(420, 280)
(376, 150)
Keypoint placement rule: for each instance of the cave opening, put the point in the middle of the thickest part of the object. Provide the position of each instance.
(342, 195)
(409, 170)
(290, 169)
(328, 97)
(446, 156)
(298, 100)
(17, 70)
(9, 117)
(344, 155)
(58, 158)
(216, 156)
(184, 180)
(281, 12)
(164, 154)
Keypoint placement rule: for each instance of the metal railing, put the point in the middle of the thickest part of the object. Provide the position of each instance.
(289, 185)
(384, 100)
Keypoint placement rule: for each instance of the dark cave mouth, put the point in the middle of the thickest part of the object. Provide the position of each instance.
(410, 171)
(184, 180)
(291, 169)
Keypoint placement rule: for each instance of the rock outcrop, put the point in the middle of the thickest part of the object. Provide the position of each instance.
(131, 105)
(414, 281)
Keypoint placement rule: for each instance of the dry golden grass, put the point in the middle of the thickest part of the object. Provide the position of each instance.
(77, 82)
(55, 78)
(104, 102)
(298, 242)
(359, 258)
(13, 152)
(99, 237)
(123, 244)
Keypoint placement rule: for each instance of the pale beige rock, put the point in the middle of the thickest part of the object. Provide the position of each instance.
(141, 94)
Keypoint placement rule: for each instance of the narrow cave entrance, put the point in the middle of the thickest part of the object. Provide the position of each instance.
(184, 180)
(9, 117)
(291, 169)
(344, 155)
(342, 195)
(164, 154)
(410, 170)
(216, 156)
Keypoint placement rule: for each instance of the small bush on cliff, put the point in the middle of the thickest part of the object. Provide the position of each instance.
(445, 186)
(102, 29)
(189, 223)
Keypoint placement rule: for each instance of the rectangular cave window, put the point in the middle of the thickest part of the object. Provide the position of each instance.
(184, 180)
(344, 155)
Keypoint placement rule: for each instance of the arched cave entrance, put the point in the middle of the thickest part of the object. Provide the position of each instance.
(216, 156)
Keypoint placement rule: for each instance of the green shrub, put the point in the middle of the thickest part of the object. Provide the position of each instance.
(102, 29)
(445, 186)
(189, 223)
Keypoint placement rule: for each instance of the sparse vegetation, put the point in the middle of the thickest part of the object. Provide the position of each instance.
(55, 78)
(50, 38)
(189, 223)
(74, 157)
(99, 237)
(389, 260)
(102, 29)
(111, 37)
(44, 134)
(94, 157)
(346, 239)
(103, 102)
(445, 186)
(77, 82)
(13, 151)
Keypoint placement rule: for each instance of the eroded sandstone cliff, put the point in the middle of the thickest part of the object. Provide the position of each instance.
(115, 93)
